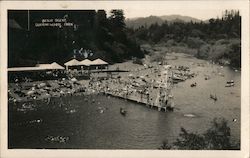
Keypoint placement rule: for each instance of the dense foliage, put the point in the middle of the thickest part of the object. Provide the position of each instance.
(93, 35)
(217, 137)
(217, 39)
(96, 35)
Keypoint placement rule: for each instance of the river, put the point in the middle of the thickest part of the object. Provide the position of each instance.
(94, 122)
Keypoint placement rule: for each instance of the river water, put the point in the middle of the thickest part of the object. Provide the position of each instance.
(94, 122)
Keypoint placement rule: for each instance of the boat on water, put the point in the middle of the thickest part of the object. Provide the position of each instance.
(230, 83)
(214, 97)
(193, 84)
(123, 112)
(189, 115)
(177, 78)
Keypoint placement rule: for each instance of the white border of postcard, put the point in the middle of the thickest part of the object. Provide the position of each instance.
(242, 5)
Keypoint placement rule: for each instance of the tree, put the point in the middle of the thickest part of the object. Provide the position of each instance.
(235, 53)
(217, 137)
(92, 30)
(117, 25)
(190, 141)
(117, 19)
(165, 145)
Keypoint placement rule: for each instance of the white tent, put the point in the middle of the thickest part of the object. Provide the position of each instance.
(54, 65)
(99, 62)
(86, 62)
(72, 62)
(15, 69)
(38, 67)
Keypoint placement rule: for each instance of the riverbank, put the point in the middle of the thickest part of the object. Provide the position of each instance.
(160, 50)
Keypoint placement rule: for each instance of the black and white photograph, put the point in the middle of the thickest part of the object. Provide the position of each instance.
(146, 77)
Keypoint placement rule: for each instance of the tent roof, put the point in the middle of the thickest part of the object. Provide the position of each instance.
(43, 65)
(39, 67)
(72, 62)
(26, 69)
(86, 62)
(99, 62)
(54, 65)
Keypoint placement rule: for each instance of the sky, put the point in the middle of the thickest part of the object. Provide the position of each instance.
(197, 9)
(200, 9)
(199, 14)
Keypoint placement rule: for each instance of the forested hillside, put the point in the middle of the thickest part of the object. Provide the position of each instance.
(92, 35)
(147, 21)
(218, 40)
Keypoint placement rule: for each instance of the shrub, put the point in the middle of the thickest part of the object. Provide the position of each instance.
(235, 53)
(137, 61)
(157, 57)
(183, 49)
(203, 52)
(194, 42)
(222, 41)
(165, 145)
(170, 43)
(191, 141)
(218, 136)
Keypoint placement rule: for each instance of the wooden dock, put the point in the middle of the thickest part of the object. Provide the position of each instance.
(143, 101)
(156, 97)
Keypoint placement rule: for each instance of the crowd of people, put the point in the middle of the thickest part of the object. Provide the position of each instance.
(147, 84)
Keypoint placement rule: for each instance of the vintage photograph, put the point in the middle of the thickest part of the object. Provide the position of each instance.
(124, 79)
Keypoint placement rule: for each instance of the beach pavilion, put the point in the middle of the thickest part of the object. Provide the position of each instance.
(37, 72)
(85, 64)
(99, 64)
(52, 66)
(72, 64)
(38, 67)
(55, 66)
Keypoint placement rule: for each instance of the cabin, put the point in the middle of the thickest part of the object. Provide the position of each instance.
(98, 64)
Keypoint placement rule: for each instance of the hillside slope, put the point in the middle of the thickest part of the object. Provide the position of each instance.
(147, 21)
